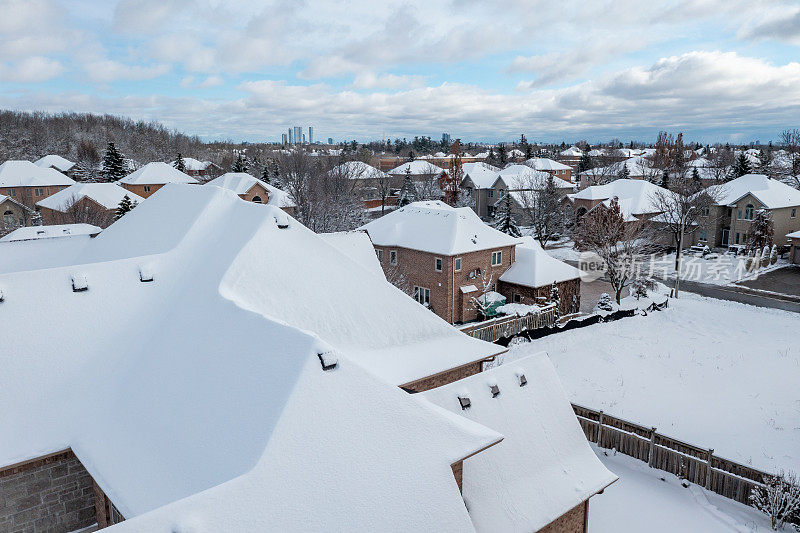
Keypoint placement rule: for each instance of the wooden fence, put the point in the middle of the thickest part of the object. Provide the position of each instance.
(687, 461)
(510, 326)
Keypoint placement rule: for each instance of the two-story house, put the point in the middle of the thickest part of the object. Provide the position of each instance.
(448, 257)
(478, 180)
(152, 176)
(523, 183)
(95, 203)
(729, 220)
(254, 190)
(28, 183)
(636, 198)
(554, 168)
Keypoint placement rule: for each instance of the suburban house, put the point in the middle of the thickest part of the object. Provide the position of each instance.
(28, 183)
(254, 190)
(478, 181)
(98, 203)
(554, 168)
(152, 176)
(419, 170)
(794, 250)
(445, 161)
(259, 397)
(58, 231)
(728, 221)
(204, 170)
(636, 168)
(448, 257)
(15, 215)
(522, 182)
(56, 162)
(572, 157)
(635, 198)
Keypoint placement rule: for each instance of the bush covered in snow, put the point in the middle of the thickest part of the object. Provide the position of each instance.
(604, 303)
(779, 499)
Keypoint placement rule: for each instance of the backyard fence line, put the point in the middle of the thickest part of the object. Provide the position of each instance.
(695, 464)
(510, 326)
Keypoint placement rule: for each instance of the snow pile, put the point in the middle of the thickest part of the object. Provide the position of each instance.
(157, 173)
(108, 195)
(435, 227)
(543, 467)
(28, 233)
(242, 182)
(533, 267)
(518, 309)
(55, 161)
(15, 173)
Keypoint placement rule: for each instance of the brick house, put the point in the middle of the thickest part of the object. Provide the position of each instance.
(554, 168)
(97, 201)
(15, 215)
(571, 157)
(56, 162)
(728, 221)
(254, 190)
(28, 183)
(448, 256)
(205, 170)
(152, 176)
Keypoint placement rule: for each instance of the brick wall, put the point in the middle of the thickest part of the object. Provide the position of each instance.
(140, 189)
(573, 521)
(52, 493)
(28, 196)
(529, 295)
(443, 378)
(458, 473)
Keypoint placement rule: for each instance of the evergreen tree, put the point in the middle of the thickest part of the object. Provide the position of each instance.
(501, 154)
(265, 174)
(504, 218)
(125, 205)
(408, 192)
(623, 173)
(491, 157)
(556, 299)
(604, 303)
(741, 166)
(665, 179)
(113, 164)
(240, 165)
(697, 183)
(179, 163)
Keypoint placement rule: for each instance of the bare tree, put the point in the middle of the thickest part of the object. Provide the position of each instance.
(790, 140)
(778, 498)
(482, 302)
(542, 208)
(619, 244)
(83, 211)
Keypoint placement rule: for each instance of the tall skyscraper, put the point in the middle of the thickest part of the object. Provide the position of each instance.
(330, 140)
(446, 138)
(284, 138)
(298, 134)
(291, 139)
(311, 135)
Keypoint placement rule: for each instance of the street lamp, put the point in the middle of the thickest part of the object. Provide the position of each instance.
(679, 253)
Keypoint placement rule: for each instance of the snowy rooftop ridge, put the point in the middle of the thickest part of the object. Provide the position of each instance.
(48, 232)
(108, 195)
(523, 177)
(157, 173)
(435, 227)
(533, 267)
(543, 163)
(637, 195)
(56, 161)
(18, 173)
(483, 175)
(242, 182)
(772, 193)
(416, 167)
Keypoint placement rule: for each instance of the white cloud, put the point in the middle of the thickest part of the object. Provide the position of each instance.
(109, 70)
(31, 70)
(370, 80)
(211, 81)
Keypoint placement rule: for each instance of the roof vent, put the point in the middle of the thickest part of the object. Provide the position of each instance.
(79, 283)
(328, 360)
(2, 296)
(282, 221)
(495, 390)
(145, 274)
(522, 380)
(40, 232)
(464, 401)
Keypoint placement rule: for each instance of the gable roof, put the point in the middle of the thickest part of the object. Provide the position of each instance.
(572, 151)
(49, 232)
(358, 170)
(634, 165)
(17, 173)
(543, 467)
(523, 177)
(241, 182)
(543, 163)
(56, 161)
(226, 390)
(482, 175)
(416, 167)
(533, 267)
(157, 173)
(108, 195)
(435, 227)
(4, 198)
(773, 194)
(637, 195)
(357, 246)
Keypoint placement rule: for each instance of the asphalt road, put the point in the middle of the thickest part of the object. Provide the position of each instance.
(740, 294)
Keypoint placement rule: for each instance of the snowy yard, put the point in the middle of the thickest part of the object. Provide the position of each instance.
(713, 373)
(641, 501)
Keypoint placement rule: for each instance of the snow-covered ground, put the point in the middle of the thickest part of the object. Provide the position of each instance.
(563, 249)
(717, 374)
(716, 269)
(649, 500)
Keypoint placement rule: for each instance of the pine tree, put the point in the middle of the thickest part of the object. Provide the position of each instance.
(491, 157)
(696, 181)
(555, 298)
(504, 218)
(408, 192)
(624, 173)
(762, 231)
(665, 179)
(265, 174)
(113, 164)
(240, 165)
(501, 154)
(125, 205)
(741, 166)
(179, 163)
(604, 303)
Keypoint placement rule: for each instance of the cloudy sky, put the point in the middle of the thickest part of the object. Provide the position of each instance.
(718, 70)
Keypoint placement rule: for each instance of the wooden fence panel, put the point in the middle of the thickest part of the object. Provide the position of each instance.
(687, 461)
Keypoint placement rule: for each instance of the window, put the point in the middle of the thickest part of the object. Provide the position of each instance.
(457, 264)
(497, 258)
(38, 191)
(422, 295)
(8, 219)
(380, 256)
(737, 237)
(748, 212)
(704, 212)
(257, 200)
(490, 193)
(794, 212)
(12, 192)
(146, 188)
(393, 257)
(701, 234)
(739, 214)
(517, 298)
(438, 264)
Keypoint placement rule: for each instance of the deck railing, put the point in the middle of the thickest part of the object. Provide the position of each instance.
(495, 329)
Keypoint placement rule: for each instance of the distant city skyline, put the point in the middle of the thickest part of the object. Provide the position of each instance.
(716, 70)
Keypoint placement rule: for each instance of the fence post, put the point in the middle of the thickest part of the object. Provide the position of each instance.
(600, 429)
(652, 455)
(708, 468)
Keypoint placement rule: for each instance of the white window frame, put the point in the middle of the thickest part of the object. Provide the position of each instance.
(752, 209)
(457, 264)
(438, 264)
(380, 256)
(392, 257)
(422, 295)
(497, 258)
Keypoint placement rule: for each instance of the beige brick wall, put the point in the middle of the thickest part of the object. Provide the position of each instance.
(145, 191)
(573, 521)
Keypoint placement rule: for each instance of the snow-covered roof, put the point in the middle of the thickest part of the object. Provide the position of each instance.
(109, 195)
(225, 391)
(635, 166)
(523, 177)
(241, 182)
(357, 170)
(772, 193)
(794, 235)
(483, 175)
(637, 194)
(543, 467)
(543, 163)
(18, 173)
(572, 151)
(35, 254)
(157, 173)
(417, 167)
(56, 161)
(193, 164)
(357, 246)
(596, 153)
(516, 152)
(50, 232)
(435, 227)
(700, 162)
(533, 267)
